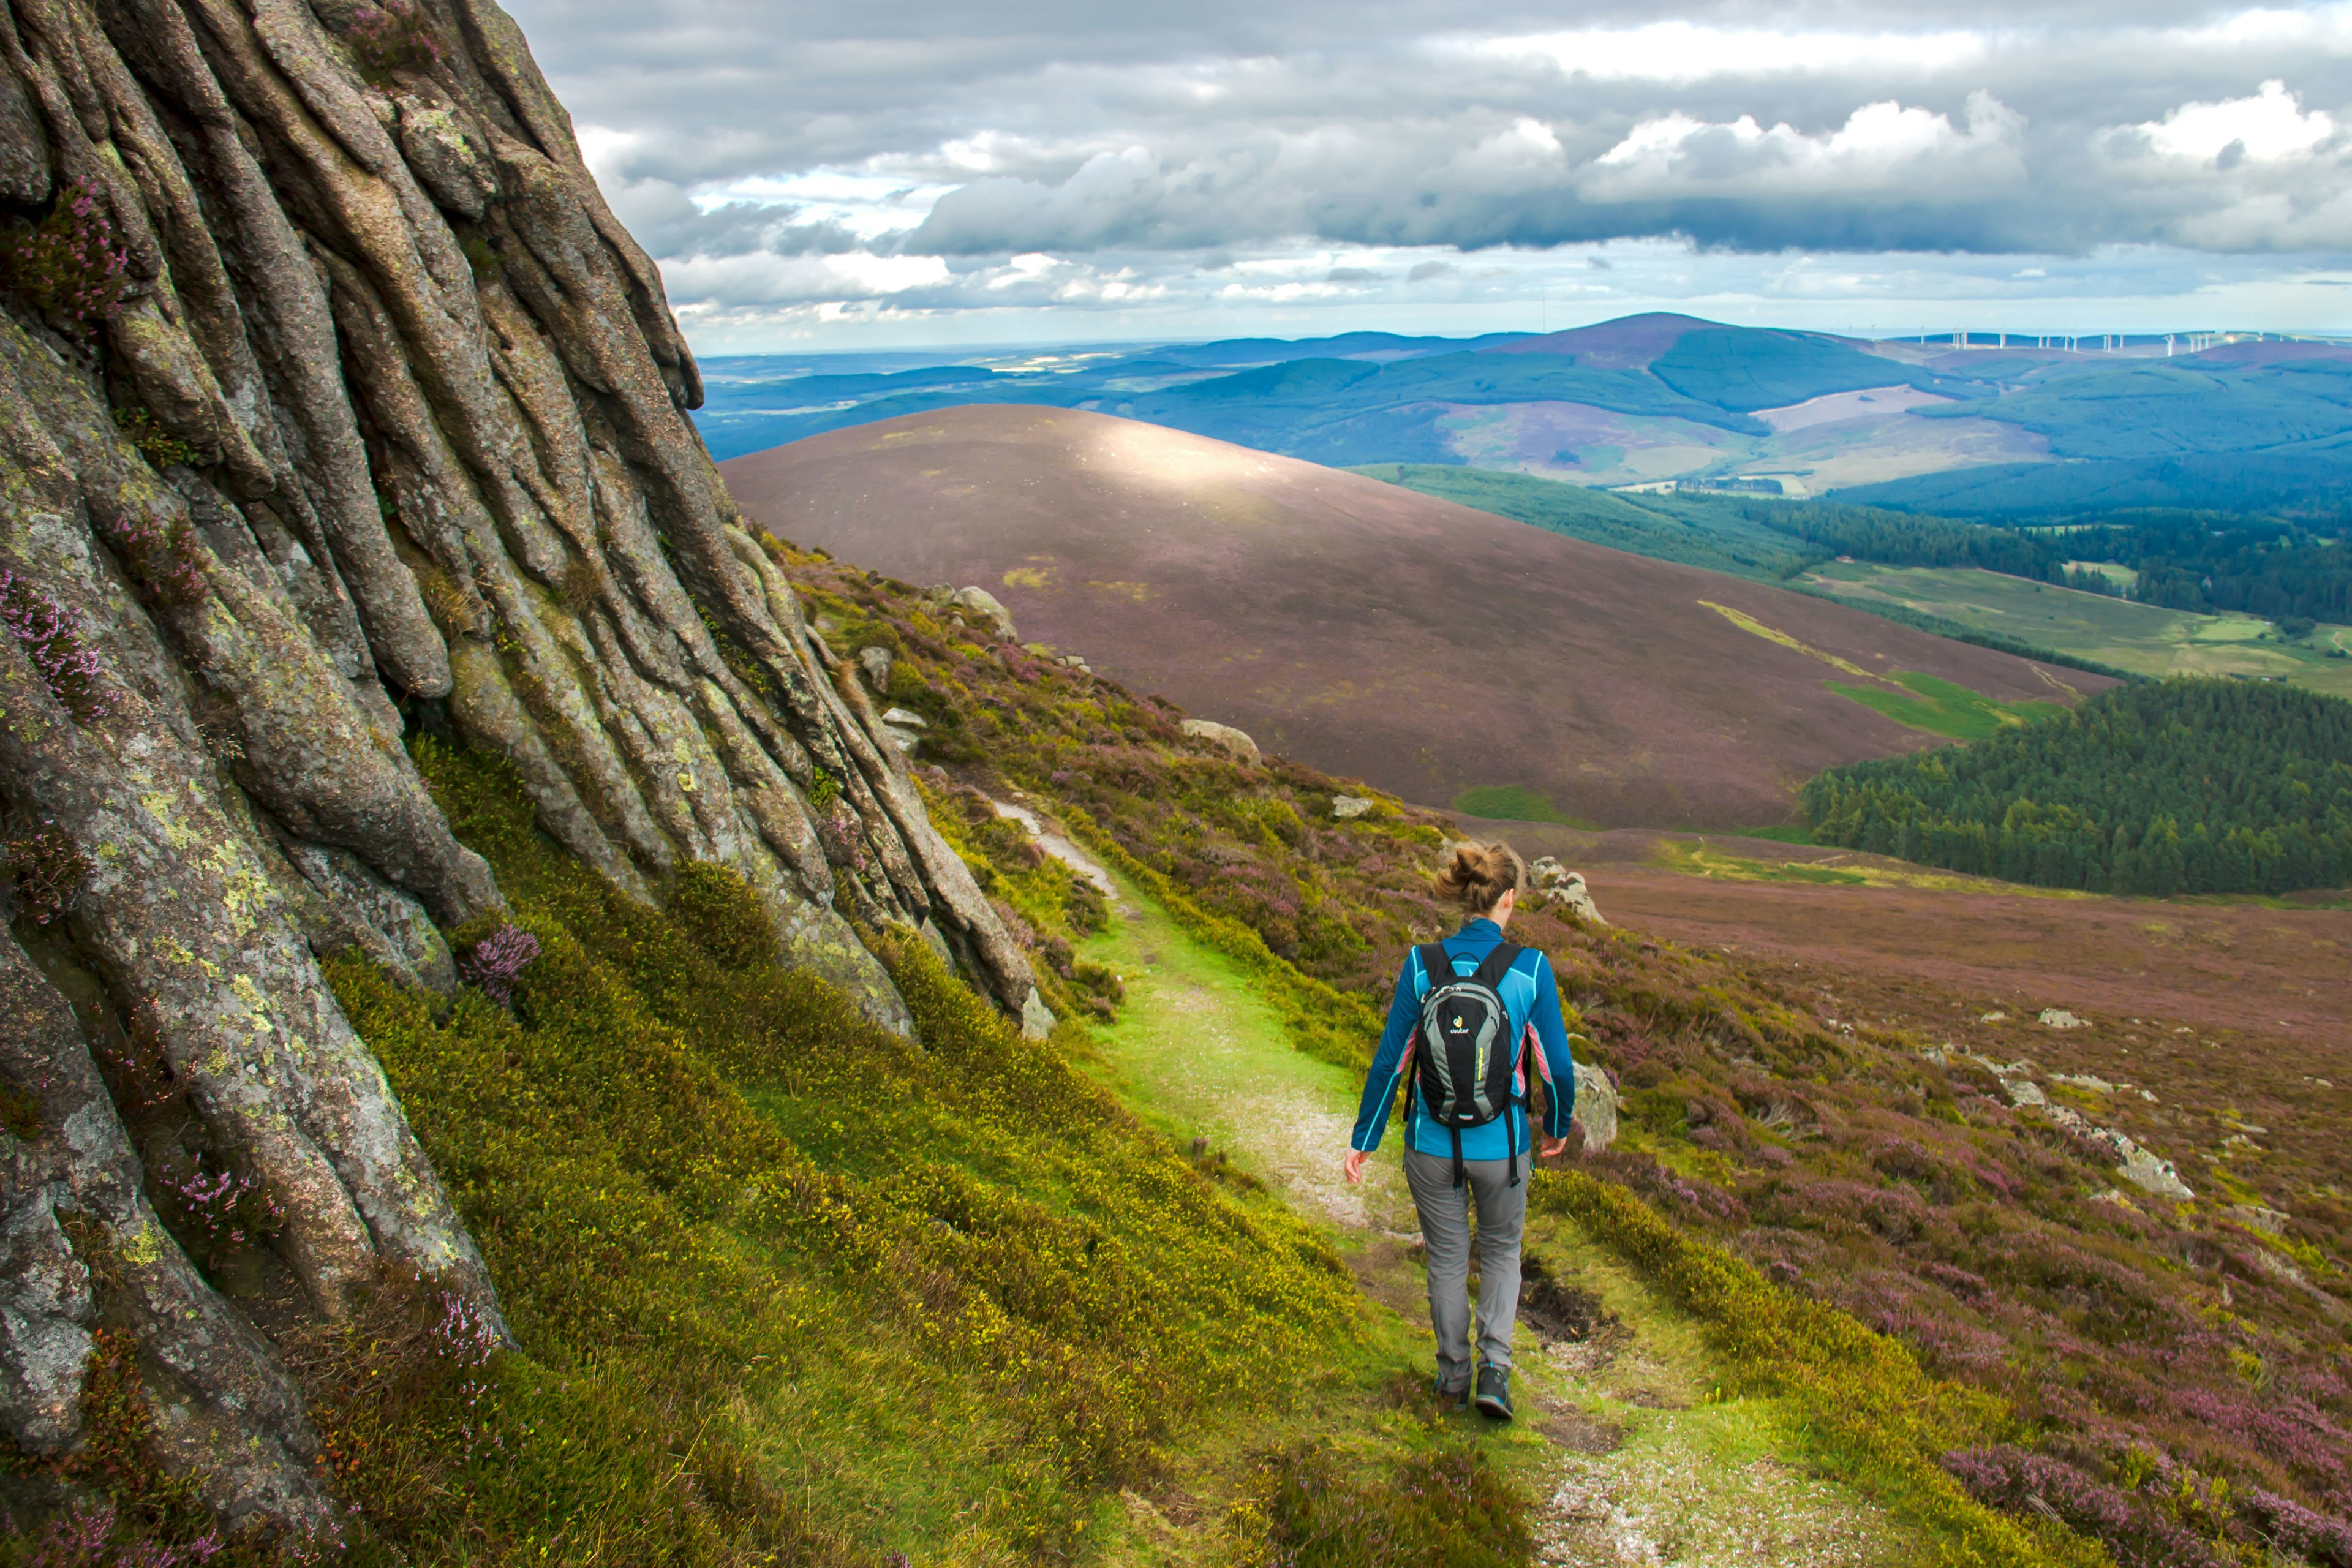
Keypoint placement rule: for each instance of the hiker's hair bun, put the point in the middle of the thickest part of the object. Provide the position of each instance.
(1481, 874)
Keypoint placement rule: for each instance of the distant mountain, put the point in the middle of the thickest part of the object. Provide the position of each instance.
(1446, 653)
(1991, 428)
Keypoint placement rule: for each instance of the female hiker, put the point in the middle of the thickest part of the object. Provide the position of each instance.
(1465, 1014)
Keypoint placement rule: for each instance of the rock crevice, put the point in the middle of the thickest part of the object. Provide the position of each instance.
(334, 403)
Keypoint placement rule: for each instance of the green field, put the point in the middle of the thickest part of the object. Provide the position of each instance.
(1514, 803)
(1943, 708)
(1691, 530)
(2141, 639)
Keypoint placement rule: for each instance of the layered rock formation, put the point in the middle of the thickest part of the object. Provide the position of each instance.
(335, 405)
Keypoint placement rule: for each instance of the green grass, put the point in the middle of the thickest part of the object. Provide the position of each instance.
(783, 1284)
(1865, 1406)
(1514, 803)
(1691, 531)
(1943, 708)
(2140, 639)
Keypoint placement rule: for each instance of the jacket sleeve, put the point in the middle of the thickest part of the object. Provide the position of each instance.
(1388, 1062)
(1557, 1062)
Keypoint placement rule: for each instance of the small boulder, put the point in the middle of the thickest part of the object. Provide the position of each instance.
(2058, 1018)
(985, 605)
(903, 728)
(1555, 884)
(875, 662)
(1596, 1107)
(1036, 1018)
(2146, 1169)
(1224, 735)
(1347, 807)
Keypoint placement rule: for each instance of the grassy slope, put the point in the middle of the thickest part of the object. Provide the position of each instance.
(951, 1321)
(2141, 639)
(2144, 1353)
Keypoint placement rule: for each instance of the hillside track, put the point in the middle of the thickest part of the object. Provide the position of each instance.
(1630, 1457)
(1374, 632)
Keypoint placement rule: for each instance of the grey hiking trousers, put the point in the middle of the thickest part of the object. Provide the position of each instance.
(1445, 1239)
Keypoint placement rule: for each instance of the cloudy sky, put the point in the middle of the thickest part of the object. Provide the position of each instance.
(916, 173)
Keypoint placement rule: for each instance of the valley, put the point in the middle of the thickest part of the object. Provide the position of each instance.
(561, 1006)
(2143, 638)
(1327, 614)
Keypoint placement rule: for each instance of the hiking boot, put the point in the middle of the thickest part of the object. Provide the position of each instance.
(1448, 1399)
(1494, 1392)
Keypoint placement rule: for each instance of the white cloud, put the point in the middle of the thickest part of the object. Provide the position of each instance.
(2268, 125)
(1680, 51)
(900, 157)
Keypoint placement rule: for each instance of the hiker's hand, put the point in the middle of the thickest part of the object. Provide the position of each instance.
(1354, 1166)
(1552, 1147)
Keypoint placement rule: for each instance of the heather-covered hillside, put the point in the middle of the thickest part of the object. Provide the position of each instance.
(2142, 1276)
(1441, 652)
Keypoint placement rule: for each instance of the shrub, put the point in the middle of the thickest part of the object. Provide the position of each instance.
(164, 556)
(51, 635)
(389, 38)
(49, 869)
(151, 441)
(1319, 1509)
(498, 960)
(71, 265)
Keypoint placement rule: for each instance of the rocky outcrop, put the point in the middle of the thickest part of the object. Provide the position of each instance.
(1555, 884)
(1223, 736)
(335, 405)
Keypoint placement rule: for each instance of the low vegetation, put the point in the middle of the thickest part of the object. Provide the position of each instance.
(2186, 786)
(783, 1286)
(2151, 1371)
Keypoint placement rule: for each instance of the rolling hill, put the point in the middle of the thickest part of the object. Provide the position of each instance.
(1983, 429)
(1443, 653)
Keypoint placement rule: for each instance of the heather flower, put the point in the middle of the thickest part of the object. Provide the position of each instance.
(85, 1538)
(51, 634)
(71, 264)
(49, 869)
(498, 959)
(392, 36)
(164, 558)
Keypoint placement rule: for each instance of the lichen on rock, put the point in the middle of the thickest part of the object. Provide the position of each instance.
(420, 409)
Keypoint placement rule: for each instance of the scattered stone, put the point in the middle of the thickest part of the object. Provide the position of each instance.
(2116, 1196)
(2095, 1084)
(903, 728)
(2255, 1217)
(1555, 884)
(875, 662)
(2058, 1018)
(2143, 1168)
(1596, 1107)
(980, 602)
(1347, 807)
(1036, 1018)
(2024, 1092)
(1995, 1017)
(1224, 735)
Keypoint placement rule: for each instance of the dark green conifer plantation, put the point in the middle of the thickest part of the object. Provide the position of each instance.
(2183, 786)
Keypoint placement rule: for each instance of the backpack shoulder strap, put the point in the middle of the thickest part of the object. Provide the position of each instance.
(1437, 968)
(1497, 963)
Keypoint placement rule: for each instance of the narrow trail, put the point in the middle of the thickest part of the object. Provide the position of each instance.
(1635, 1463)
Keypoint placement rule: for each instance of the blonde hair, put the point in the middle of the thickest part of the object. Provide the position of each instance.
(1481, 874)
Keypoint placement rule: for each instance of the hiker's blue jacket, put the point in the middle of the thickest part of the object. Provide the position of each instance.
(1532, 999)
